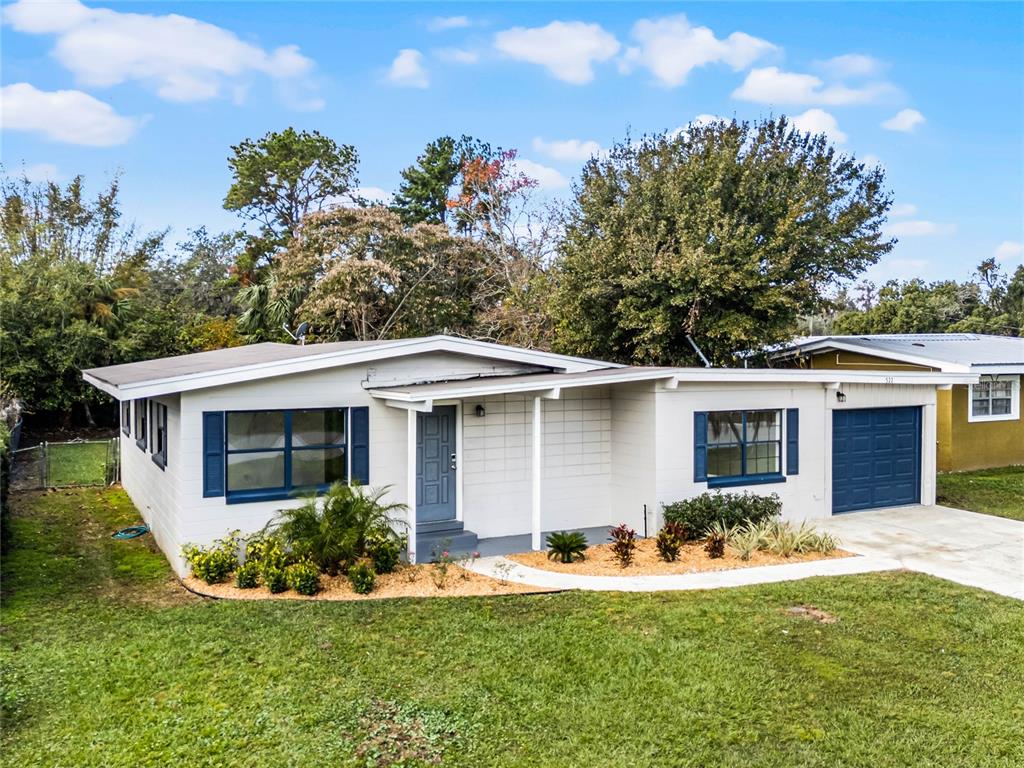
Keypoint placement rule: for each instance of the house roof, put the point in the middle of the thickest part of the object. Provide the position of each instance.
(259, 361)
(672, 377)
(949, 352)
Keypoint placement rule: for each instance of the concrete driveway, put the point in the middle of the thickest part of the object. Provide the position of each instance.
(966, 547)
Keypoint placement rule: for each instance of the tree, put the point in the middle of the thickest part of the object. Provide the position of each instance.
(423, 194)
(726, 233)
(280, 178)
(362, 274)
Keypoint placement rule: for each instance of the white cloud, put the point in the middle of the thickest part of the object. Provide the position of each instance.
(546, 178)
(374, 194)
(817, 121)
(699, 121)
(671, 48)
(872, 161)
(567, 49)
(182, 58)
(441, 23)
(569, 149)
(457, 55)
(902, 210)
(407, 69)
(918, 228)
(72, 117)
(770, 85)
(905, 121)
(1008, 249)
(851, 65)
(40, 172)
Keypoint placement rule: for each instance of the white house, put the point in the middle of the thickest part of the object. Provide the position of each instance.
(491, 446)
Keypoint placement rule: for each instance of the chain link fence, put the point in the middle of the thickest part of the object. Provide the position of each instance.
(66, 465)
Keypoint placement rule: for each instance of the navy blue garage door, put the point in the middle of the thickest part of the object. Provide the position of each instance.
(876, 458)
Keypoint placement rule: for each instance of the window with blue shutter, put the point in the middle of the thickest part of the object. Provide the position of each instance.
(792, 441)
(213, 453)
(733, 448)
(700, 446)
(360, 439)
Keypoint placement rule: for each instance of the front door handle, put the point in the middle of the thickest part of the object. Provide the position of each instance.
(454, 464)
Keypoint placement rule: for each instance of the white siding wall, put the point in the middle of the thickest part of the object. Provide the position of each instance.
(633, 458)
(496, 466)
(155, 491)
(201, 520)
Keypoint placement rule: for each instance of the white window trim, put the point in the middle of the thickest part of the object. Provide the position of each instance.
(1014, 413)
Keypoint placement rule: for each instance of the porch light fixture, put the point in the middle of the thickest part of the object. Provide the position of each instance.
(840, 396)
(479, 411)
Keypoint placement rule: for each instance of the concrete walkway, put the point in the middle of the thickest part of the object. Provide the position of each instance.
(965, 547)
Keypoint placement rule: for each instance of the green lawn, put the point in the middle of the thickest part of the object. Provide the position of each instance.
(106, 663)
(992, 491)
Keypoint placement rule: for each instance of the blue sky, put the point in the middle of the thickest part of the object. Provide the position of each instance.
(159, 91)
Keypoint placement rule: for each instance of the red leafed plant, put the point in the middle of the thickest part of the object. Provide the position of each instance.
(623, 543)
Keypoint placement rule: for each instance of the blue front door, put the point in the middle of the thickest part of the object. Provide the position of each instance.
(435, 464)
(876, 458)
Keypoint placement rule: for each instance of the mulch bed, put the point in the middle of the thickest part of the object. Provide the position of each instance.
(600, 561)
(408, 581)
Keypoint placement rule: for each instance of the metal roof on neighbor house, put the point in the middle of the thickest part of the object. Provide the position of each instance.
(953, 352)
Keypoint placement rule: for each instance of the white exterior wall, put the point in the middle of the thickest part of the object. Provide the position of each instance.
(807, 495)
(633, 457)
(201, 520)
(496, 475)
(155, 491)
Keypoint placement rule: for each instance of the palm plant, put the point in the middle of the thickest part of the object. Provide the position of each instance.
(567, 547)
(333, 530)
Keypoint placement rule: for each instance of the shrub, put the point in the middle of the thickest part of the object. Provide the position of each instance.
(248, 575)
(670, 540)
(731, 509)
(385, 550)
(362, 577)
(332, 531)
(567, 547)
(727, 532)
(714, 544)
(274, 577)
(303, 577)
(215, 563)
(745, 543)
(623, 544)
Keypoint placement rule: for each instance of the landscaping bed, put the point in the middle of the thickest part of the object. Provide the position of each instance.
(407, 581)
(600, 560)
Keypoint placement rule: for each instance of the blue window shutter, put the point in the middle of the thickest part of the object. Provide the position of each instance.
(792, 441)
(700, 446)
(213, 453)
(360, 442)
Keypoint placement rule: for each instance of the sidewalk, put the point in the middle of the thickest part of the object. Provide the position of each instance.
(503, 568)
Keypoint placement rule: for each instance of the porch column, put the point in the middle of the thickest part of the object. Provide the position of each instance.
(410, 493)
(535, 506)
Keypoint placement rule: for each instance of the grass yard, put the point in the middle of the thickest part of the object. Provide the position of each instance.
(78, 463)
(992, 491)
(107, 663)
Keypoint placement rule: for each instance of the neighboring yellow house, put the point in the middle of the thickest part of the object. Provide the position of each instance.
(978, 425)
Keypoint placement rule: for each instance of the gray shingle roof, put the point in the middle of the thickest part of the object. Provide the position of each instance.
(970, 349)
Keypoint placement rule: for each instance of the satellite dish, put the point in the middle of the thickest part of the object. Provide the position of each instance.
(300, 332)
(303, 330)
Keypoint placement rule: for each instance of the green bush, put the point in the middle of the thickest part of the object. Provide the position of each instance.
(670, 540)
(248, 575)
(215, 563)
(385, 550)
(567, 547)
(303, 577)
(274, 577)
(362, 577)
(700, 513)
(332, 530)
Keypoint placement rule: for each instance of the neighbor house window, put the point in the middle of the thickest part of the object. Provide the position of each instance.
(995, 398)
(159, 421)
(126, 417)
(141, 415)
(280, 452)
(743, 445)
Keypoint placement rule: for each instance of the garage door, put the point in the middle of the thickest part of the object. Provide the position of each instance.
(876, 458)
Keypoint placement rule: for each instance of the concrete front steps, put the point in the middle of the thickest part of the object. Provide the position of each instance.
(444, 535)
